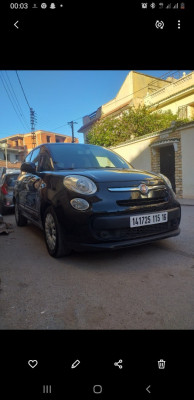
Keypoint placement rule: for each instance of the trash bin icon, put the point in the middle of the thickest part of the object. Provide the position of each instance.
(161, 364)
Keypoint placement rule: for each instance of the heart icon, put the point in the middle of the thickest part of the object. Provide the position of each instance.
(32, 363)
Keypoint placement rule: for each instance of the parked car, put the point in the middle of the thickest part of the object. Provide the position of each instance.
(7, 182)
(88, 197)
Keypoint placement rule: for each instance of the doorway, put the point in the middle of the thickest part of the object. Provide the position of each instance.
(167, 163)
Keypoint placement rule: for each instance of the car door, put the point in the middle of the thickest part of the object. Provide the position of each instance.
(30, 193)
(36, 183)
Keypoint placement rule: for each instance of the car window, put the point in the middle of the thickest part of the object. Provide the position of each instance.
(35, 157)
(77, 156)
(45, 162)
(28, 157)
(11, 179)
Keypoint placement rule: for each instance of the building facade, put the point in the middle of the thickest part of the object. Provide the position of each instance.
(175, 94)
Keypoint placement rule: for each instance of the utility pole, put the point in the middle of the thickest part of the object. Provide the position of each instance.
(71, 123)
(32, 121)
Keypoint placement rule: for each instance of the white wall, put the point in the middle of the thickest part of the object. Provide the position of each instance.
(187, 139)
(136, 153)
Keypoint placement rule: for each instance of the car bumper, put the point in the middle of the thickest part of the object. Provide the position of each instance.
(8, 206)
(113, 231)
(123, 244)
(7, 202)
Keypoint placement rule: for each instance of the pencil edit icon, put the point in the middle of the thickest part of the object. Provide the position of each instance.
(75, 364)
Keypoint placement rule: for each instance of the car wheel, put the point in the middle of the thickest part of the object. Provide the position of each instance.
(20, 219)
(54, 236)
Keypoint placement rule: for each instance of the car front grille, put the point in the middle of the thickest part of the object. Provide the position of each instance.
(133, 233)
(137, 199)
(142, 201)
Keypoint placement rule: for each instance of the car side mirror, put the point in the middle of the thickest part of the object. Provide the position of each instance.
(28, 167)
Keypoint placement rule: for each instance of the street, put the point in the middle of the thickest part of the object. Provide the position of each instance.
(145, 287)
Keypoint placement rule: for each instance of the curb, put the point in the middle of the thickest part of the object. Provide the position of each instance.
(186, 202)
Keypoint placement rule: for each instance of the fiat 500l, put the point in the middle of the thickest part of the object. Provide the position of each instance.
(87, 197)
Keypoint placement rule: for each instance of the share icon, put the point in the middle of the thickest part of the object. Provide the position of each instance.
(118, 364)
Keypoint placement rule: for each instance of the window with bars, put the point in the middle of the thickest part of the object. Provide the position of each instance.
(183, 112)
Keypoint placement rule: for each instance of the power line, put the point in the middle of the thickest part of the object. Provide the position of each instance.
(62, 126)
(16, 101)
(23, 90)
(32, 115)
(6, 89)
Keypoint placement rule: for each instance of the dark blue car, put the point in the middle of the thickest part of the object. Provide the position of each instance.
(87, 197)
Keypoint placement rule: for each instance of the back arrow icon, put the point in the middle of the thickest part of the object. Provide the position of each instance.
(16, 24)
(148, 389)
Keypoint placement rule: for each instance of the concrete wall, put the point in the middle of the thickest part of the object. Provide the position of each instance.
(137, 153)
(187, 139)
(124, 95)
(133, 88)
(140, 155)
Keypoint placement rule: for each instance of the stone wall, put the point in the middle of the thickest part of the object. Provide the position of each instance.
(173, 137)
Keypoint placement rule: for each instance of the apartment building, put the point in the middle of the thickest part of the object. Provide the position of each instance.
(13, 149)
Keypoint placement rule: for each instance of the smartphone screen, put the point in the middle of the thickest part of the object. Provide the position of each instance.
(96, 200)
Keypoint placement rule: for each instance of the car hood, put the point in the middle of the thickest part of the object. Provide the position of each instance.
(114, 175)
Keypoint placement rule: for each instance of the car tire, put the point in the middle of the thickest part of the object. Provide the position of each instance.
(20, 219)
(54, 236)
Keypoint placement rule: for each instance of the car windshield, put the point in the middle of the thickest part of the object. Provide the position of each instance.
(78, 156)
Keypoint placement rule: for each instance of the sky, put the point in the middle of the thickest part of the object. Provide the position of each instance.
(57, 97)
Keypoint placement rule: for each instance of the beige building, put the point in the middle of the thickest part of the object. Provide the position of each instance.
(170, 152)
(175, 94)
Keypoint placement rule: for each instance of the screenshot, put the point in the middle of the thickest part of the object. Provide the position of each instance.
(96, 200)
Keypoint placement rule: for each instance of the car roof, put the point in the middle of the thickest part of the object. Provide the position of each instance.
(67, 144)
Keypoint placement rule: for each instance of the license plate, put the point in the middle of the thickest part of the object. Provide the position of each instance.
(148, 219)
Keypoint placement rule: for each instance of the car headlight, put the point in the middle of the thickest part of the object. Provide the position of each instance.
(79, 204)
(79, 184)
(166, 180)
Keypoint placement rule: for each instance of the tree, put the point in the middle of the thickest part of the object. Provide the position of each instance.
(132, 123)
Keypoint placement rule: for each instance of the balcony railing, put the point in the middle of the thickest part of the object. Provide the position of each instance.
(172, 89)
(11, 147)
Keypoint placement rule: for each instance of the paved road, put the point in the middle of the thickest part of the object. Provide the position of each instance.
(147, 287)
